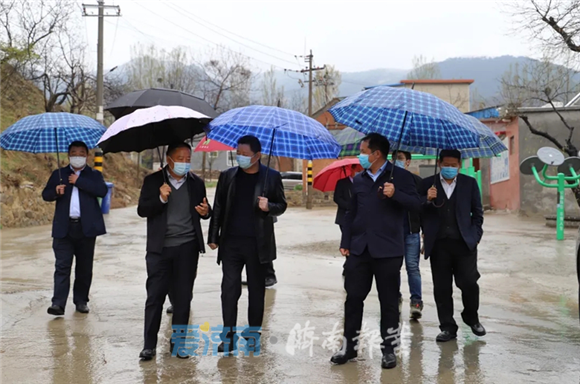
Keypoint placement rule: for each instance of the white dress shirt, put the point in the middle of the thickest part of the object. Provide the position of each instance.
(75, 204)
(375, 176)
(176, 184)
(448, 188)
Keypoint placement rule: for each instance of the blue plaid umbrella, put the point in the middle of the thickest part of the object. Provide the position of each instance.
(51, 132)
(411, 118)
(282, 132)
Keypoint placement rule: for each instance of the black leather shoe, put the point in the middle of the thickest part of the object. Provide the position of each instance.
(55, 310)
(270, 282)
(389, 361)
(147, 354)
(82, 308)
(478, 329)
(170, 310)
(222, 347)
(446, 336)
(341, 357)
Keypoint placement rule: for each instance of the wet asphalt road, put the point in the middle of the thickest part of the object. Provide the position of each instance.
(528, 305)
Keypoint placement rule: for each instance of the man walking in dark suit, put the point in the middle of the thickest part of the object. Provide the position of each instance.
(173, 200)
(247, 199)
(342, 196)
(373, 242)
(412, 226)
(78, 220)
(452, 224)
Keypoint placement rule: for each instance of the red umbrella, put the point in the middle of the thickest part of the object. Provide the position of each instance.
(326, 179)
(208, 145)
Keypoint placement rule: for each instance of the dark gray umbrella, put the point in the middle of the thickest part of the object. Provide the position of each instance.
(151, 97)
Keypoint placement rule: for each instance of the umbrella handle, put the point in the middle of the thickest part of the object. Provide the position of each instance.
(435, 179)
(57, 156)
(268, 166)
(399, 143)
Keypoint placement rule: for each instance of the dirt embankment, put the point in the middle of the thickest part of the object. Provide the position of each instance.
(24, 176)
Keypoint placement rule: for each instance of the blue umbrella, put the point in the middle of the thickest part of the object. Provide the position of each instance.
(282, 132)
(51, 132)
(489, 144)
(408, 117)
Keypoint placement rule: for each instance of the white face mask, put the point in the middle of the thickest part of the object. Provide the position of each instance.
(78, 161)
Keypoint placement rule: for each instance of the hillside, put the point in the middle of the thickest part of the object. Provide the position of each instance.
(24, 175)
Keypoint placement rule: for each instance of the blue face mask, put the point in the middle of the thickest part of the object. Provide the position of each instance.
(449, 173)
(180, 169)
(364, 161)
(400, 164)
(244, 162)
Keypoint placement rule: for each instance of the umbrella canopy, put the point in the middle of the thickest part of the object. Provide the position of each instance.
(282, 132)
(327, 178)
(489, 144)
(412, 118)
(151, 97)
(153, 127)
(209, 145)
(349, 140)
(51, 132)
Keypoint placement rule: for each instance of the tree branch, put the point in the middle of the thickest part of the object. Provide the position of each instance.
(541, 133)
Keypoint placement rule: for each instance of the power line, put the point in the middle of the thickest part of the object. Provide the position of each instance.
(204, 38)
(233, 33)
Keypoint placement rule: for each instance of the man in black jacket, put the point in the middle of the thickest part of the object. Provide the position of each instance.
(452, 224)
(374, 243)
(173, 200)
(247, 200)
(412, 244)
(78, 220)
(342, 196)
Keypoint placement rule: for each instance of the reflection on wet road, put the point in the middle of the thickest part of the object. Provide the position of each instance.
(528, 305)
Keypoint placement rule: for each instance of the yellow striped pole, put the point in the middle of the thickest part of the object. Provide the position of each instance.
(98, 164)
(309, 180)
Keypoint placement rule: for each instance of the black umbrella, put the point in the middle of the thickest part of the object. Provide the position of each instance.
(151, 97)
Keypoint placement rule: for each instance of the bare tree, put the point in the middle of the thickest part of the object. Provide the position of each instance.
(553, 24)
(271, 93)
(225, 78)
(327, 84)
(424, 69)
(298, 102)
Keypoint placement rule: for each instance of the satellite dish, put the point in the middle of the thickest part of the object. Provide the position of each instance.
(550, 156)
(528, 164)
(571, 162)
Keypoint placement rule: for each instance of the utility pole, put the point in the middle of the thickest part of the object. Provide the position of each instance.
(101, 8)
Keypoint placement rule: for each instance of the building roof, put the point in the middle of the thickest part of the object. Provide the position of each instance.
(328, 105)
(438, 81)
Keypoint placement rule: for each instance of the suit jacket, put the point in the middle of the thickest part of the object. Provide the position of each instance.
(151, 207)
(91, 185)
(224, 195)
(468, 211)
(377, 223)
(415, 217)
(342, 196)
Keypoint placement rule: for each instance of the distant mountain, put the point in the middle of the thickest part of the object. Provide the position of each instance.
(485, 71)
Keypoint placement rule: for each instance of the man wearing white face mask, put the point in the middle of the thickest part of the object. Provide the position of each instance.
(173, 200)
(78, 220)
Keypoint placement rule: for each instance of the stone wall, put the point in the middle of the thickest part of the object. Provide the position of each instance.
(320, 199)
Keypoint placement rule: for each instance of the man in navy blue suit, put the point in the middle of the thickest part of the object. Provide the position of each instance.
(452, 225)
(373, 240)
(78, 221)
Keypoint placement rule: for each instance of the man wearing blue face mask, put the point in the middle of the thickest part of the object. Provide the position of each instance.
(173, 200)
(412, 226)
(248, 198)
(452, 224)
(373, 243)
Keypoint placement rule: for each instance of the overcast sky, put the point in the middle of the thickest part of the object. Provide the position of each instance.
(352, 35)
